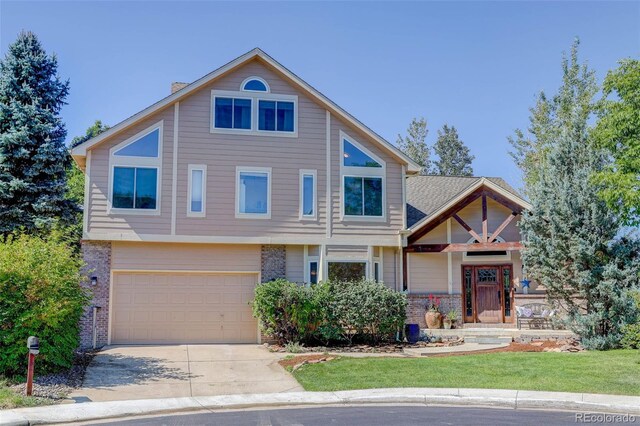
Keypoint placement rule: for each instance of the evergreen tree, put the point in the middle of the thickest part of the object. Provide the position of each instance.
(415, 145)
(570, 235)
(550, 115)
(33, 156)
(454, 158)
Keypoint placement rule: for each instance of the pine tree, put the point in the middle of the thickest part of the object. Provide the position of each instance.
(550, 115)
(33, 156)
(570, 236)
(414, 144)
(454, 158)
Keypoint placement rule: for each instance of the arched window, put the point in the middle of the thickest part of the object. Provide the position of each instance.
(486, 255)
(255, 84)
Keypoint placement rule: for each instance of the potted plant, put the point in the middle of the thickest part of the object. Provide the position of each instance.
(450, 319)
(433, 317)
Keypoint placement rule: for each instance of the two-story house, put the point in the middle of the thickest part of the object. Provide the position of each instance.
(250, 174)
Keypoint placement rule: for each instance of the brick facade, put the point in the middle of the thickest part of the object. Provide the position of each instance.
(416, 307)
(97, 256)
(273, 262)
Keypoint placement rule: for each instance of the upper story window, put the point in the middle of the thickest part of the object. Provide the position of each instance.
(232, 113)
(255, 84)
(275, 116)
(253, 192)
(254, 109)
(135, 166)
(362, 174)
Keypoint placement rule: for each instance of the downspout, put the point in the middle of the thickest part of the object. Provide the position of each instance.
(94, 328)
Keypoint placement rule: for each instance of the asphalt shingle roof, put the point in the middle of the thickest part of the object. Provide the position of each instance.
(427, 194)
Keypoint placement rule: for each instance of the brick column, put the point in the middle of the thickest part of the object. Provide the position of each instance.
(273, 262)
(97, 256)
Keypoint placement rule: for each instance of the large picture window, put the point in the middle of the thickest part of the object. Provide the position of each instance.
(253, 192)
(363, 182)
(135, 166)
(347, 271)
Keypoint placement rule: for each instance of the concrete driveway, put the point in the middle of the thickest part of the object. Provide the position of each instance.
(142, 372)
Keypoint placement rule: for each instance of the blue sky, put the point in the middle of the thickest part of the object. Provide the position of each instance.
(475, 65)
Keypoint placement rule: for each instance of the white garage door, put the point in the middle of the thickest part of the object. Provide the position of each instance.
(178, 307)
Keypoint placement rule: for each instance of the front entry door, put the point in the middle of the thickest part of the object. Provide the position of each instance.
(488, 294)
(486, 291)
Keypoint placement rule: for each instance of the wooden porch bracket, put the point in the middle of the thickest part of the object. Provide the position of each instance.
(502, 226)
(470, 230)
(454, 248)
(485, 226)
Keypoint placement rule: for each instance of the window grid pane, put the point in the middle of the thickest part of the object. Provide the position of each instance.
(224, 113)
(254, 192)
(313, 272)
(123, 187)
(242, 114)
(285, 117)
(196, 190)
(266, 115)
(146, 188)
(307, 195)
(353, 196)
(146, 146)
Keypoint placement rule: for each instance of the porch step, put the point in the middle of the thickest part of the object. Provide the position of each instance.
(488, 325)
(487, 339)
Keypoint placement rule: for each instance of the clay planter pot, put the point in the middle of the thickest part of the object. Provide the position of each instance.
(433, 319)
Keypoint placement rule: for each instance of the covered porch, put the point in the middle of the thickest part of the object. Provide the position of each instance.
(467, 253)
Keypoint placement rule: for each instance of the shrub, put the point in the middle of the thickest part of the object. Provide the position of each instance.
(631, 332)
(285, 310)
(329, 311)
(40, 295)
(366, 309)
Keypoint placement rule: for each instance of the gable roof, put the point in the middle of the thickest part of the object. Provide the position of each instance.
(428, 196)
(80, 151)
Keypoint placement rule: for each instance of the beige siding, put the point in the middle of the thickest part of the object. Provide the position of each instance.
(99, 220)
(389, 267)
(295, 264)
(223, 152)
(348, 252)
(438, 235)
(428, 273)
(185, 257)
(393, 187)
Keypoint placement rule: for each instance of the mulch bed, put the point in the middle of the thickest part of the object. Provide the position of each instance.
(390, 348)
(58, 385)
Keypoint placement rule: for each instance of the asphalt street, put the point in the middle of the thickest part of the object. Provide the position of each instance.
(371, 416)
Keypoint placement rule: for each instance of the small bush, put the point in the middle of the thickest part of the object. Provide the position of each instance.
(329, 311)
(367, 309)
(40, 295)
(294, 348)
(631, 332)
(286, 311)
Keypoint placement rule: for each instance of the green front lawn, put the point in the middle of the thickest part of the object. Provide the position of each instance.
(611, 372)
(11, 399)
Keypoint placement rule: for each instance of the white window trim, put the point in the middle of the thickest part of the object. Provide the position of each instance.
(234, 95)
(255, 97)
(466, 258)
(314, 175)
(351, 171)
(139, 162)
(246, 169)
(203, 168)
(254, 77)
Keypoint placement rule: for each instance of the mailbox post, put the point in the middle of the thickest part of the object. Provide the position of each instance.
(34, 349)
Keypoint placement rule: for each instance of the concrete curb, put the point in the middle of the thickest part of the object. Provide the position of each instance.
(428, 396)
